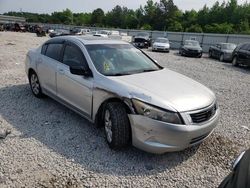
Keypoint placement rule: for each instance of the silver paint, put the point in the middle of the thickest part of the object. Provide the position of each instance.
(164, 88)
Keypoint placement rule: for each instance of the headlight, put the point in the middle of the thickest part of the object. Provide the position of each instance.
(156, 113)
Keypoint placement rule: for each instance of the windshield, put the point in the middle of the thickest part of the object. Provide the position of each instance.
(103, 32)
(143, 34)
(228, 46)
(191, 43)
(162, 40)
(119, 59)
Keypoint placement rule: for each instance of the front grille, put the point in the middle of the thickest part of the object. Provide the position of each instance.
(193, 51)
(203, 115)
(140, 40)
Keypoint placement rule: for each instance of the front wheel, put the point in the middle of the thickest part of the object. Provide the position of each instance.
(221, 58)
(117, 126)
(235, 62)
(210, 54)
(35, 85)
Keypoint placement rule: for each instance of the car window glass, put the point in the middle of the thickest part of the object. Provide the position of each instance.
(112, 59)
(53, 51)
(44, 47)
(73, 56)
(248, 47)
(244, 47)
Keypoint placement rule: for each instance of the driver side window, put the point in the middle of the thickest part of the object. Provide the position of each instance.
(73, 56)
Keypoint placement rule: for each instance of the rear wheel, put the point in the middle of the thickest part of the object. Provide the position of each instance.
(235, 62)
(117, 126)
(35, 85)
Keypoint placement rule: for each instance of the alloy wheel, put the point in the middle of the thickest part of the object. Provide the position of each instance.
(221, 57)
(35, 84)
(108, 126)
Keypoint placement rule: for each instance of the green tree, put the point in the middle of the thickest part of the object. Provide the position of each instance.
(97, 17)
(194, 29)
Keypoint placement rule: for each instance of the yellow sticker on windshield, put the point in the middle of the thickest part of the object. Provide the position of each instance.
(106, 67)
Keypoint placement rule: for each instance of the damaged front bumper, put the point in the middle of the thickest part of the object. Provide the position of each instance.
(160, 137)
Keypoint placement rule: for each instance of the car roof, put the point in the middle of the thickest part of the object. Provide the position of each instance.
(89, 40)
(161, 38)
(191, 41)
(225, 43)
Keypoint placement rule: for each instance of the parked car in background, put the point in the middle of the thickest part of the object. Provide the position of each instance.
(40, 32)
(80, 31)
(222, 51)
(59, 32)
(113, 34)
(191, 48)
(241, 55)
(113, 84)
(18, 27)
(161, 44)
(142, 40)
(102, 33)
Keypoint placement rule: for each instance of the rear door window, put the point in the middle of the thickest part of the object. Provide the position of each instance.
(54, 51)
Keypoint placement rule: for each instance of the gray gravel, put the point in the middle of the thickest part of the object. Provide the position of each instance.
(51, 146)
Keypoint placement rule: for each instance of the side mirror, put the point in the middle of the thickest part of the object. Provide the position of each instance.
(80, 70)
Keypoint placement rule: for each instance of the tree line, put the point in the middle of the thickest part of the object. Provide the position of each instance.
(222, 17)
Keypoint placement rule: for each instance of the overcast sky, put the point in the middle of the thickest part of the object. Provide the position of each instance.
(48, 6)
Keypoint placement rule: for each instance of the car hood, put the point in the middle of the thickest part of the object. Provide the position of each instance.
(161, 44)
(167, 89)
(142, 37)
(192, 47)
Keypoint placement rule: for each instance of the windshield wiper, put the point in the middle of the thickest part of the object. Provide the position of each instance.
(149, 70)
(117, 74)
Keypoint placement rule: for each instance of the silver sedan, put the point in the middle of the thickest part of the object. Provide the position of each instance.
(119, 87)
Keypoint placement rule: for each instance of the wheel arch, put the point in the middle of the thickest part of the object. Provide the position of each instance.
(31, 70)
(100, 111)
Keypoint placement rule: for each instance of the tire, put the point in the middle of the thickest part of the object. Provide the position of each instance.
(116, 125)
(199, 56)
(210, 54)
(35, 85)
(235, 62)
(221, 58)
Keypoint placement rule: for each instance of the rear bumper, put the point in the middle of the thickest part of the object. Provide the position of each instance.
(159, 137)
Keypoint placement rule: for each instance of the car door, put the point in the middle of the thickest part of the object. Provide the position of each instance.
(47, 65)
(217, 50)
(75, 90)
(247, 62)
(242, 53)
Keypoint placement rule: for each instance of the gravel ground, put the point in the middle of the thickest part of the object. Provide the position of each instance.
(51, 146)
